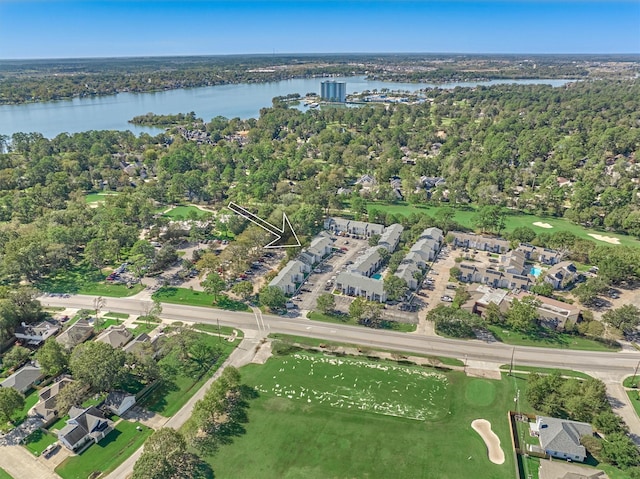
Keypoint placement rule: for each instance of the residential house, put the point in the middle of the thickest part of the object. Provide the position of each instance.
(290, 276)
(514, 262)
(85, 426)
(396, 185)
(76, 334)
(353, 284)
(553, 313)
(407, 270)
(429, 182)
(23, 379)
(358, 228)
(434, 234)
(320, 248)
(366, 182)
(36, 333)
(427, 248)
(479, 242)
(562, 275)
(46, 406)
(543, 255)
(561, 438)
(307, 258)
(115, 336)
(119, 402)
(495, 278)
(391, 237)
(367, 263)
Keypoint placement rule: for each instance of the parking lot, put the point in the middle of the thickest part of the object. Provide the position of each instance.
(316, 283)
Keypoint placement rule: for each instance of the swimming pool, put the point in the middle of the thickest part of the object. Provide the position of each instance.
(376, 276)
(535, 271)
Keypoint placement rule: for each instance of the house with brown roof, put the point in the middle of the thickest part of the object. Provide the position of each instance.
(76, 334)
(115, 336)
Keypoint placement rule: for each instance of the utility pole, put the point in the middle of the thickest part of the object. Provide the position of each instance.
(635, 373)
(513, 352)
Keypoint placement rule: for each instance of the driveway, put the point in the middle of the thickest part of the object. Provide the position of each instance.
(20, 463)
(439, 273)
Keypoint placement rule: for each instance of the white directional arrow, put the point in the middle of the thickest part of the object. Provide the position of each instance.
(282, 235)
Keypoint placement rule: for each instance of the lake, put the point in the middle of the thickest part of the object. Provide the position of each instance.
(242, 100)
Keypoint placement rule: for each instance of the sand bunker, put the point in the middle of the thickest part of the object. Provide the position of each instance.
(542, 225)
(483, 427)
(606, 239)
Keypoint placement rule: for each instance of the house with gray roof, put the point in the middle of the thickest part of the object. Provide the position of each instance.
(425, 247)
(479, 242)
(23, 379)
(562, 275)
(36, 333)
(391, 237)
(46, 406)
(119, 402)
(433, 233)
(406, 270)
(290, 276)
(367, 263)
(320, 248)
(76, 334)
(358, 228)
(115, 336)
(353, 284)
(561, 438)
(85, 426)
(543, 255)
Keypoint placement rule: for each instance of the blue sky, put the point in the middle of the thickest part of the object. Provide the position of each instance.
(58, 29)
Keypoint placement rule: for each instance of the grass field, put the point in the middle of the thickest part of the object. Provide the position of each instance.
(38, 441)
(119, 444)
(553, 339)
(635, 400)
(185, 212)
(534, 369)
(513, 220)
(143, 328)
(111, 314)
(330, 318)
(319, 416)
(85, 279)
(196, 298)
(630, 381)
(172, 394)
(96, 197)
(4, 474)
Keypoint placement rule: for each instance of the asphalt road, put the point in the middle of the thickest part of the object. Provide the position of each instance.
(614, 364)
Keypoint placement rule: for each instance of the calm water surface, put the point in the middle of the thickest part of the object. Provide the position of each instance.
(242, 100)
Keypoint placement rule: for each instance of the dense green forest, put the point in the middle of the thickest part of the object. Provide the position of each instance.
(509, 147)
(44, 80)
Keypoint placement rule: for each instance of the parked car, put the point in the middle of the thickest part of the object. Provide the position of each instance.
(50, 449)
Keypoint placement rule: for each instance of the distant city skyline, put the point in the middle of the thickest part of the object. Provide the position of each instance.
(114, 28)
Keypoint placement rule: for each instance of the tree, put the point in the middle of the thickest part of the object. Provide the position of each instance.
(522, 234)
(72, 395)
(492, 314)
(618, 449)
(456, 323)
(244, 289)
(214, 285)
(165, 456)
(53, 357)
(10, 402)
(523, 314)
(626, 318)
(374, 240)
(543, 289)
(608, 422)
(395, 287)
(98, 365)
(326, 303)
(357, 308)
(16, 356)
(272, 297)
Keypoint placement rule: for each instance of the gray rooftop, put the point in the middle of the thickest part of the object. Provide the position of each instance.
(563, 436)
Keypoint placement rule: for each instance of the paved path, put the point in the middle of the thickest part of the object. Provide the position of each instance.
(21, 464)
(241, 356)
(622, 406)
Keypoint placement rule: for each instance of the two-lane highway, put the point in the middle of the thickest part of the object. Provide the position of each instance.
(612, 363)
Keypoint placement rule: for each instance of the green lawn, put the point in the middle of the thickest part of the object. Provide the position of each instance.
(635, 400)
(344, 319)
(143, 328)
(4, 474)
(109, 322)
(631, 381)
(119, 444)
(38, 441)
(464, 216)
(85, 279)
(171, 395)
(213, 328)
(196, 298)
(96, 197)
(534, 369)
(29, 401)
(111, 314)
(59, 424)
(320, 416)
(185, 212)
(551, 340)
